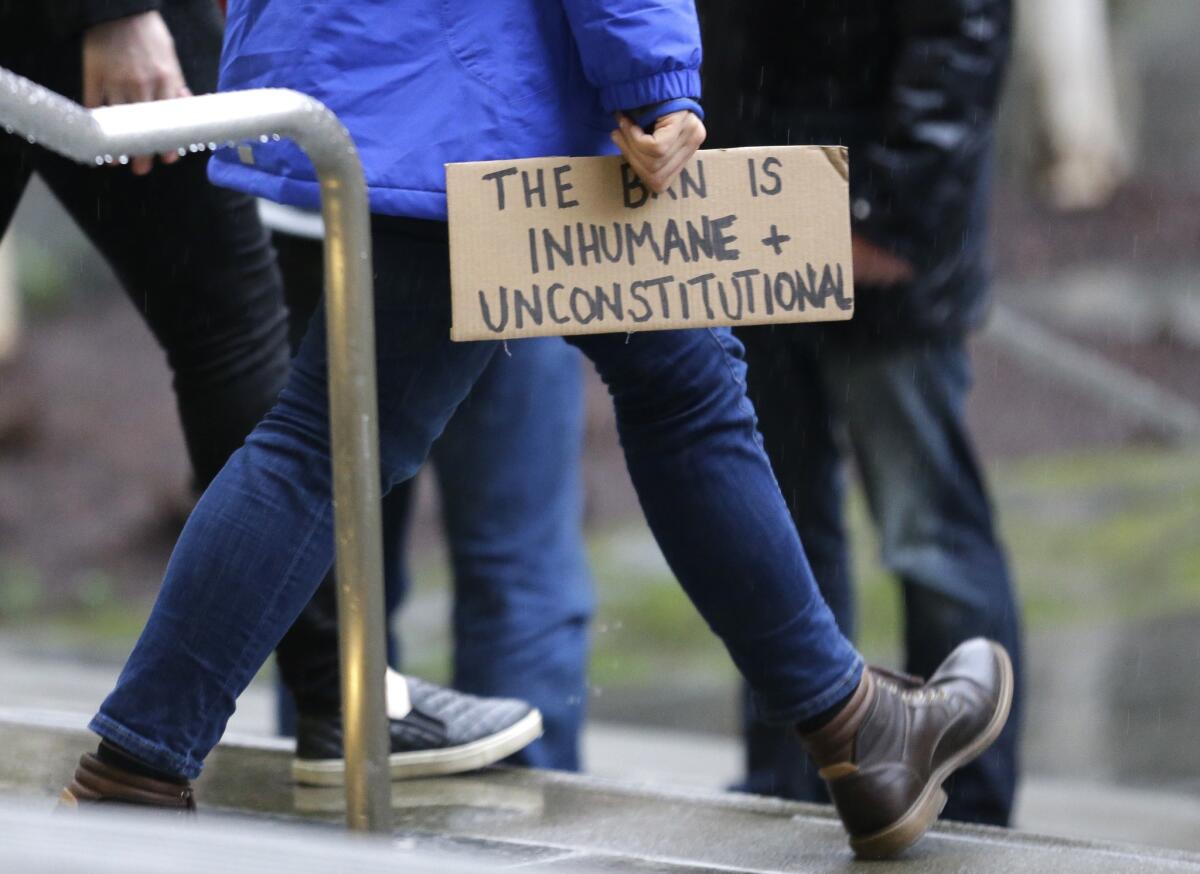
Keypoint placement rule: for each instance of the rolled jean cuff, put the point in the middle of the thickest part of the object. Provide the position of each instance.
(152, 754)
(771, 712)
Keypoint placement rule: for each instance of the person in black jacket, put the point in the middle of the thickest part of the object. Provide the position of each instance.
(911, 87)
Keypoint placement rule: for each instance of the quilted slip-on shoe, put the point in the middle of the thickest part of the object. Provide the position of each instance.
(887, 753)
(433, 730)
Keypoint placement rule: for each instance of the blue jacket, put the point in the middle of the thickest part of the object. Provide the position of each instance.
(420, 83)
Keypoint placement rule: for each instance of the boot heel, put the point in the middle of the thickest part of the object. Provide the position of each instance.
(903, 833)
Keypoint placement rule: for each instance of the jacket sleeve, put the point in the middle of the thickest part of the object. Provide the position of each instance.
(70, 17)
(910, 189)
(638, 52)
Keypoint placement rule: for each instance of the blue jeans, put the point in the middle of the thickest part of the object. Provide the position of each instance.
(260, 539)
(507, 467)
(900, 407)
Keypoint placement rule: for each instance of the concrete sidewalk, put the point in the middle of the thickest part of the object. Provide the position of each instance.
(657, 759)
(516, 818)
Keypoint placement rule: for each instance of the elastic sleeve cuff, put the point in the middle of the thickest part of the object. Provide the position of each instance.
(659, 88)
(645, 117)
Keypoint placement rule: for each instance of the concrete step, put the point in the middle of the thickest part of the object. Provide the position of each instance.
(546, 820)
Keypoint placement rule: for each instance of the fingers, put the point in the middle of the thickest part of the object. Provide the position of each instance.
(163, 86)
(132, 60)
(875, 265)
(659, 156)
(93, 88)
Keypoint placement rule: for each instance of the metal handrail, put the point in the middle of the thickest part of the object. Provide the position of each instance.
(113, 133)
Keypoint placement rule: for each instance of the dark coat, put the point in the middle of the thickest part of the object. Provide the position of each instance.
(911, 86)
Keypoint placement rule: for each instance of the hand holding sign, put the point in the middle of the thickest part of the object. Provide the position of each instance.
(875, 265)
(657, 157)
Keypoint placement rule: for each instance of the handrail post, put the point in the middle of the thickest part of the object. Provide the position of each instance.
(193, 123)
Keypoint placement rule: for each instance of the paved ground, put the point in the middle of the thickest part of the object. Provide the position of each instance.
(543, 820)
(663, 760)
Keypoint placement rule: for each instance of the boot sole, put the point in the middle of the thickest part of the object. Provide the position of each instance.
(909, 828)
(431, 763)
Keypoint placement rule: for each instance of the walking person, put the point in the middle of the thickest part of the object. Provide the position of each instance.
(515, 79)
(911, 88)
(196, 262)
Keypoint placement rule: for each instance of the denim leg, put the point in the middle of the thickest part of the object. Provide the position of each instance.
(309, 672)
(799, 430)
(260, 539)
(508, 468)
(714, 506)
(904, 409)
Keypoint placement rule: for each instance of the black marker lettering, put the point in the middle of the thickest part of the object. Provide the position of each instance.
(563, 249)
(551, 309)
(639, 238)
(747, 275)
(585, 248)
(618, 240)
(584, 317)
(530, 190)
(630, 184)
(697, 184)
(635, 291)
(844, 303)
(723, 242)
(561, 188)
(737, 289)
(522, 306)
(700, 241)
(767, 164)
(684, 304)
(613, 303)
(702, 281)
(673, 241)
(499, 177)
(788, 303)
(661, 284)
(487, 313)
(533, 258)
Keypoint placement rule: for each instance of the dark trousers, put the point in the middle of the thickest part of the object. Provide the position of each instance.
(507, 468)
(898, 408)
(193, 259)
(198, 267)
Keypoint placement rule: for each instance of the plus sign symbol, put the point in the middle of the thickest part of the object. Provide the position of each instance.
(776, 240)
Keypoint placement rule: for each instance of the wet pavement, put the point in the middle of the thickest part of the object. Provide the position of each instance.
(545, 820)
(1109, 746)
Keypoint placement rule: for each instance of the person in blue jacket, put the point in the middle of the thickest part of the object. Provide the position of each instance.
(418, 84)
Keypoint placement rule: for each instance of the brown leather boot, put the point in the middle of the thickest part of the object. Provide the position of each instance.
(885, 756)
(98, 783)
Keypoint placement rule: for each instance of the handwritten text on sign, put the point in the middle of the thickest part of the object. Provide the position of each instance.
(556, 246)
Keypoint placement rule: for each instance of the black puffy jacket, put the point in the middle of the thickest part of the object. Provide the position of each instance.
(911, 86)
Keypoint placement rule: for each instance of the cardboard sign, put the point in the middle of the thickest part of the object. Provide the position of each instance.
(557, 246)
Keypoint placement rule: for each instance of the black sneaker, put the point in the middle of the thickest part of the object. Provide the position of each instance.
(433, 731)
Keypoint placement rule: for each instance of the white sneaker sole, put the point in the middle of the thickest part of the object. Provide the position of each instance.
(431, 763)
